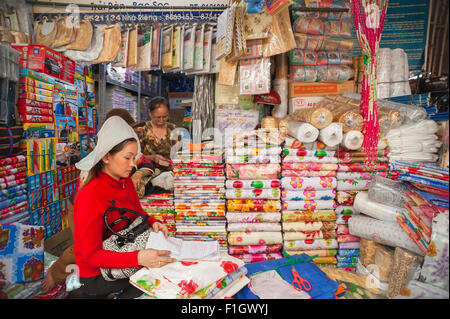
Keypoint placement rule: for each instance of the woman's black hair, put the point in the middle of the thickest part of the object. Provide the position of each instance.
(156, 102)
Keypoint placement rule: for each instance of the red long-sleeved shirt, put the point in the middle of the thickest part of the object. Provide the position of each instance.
(90, 206)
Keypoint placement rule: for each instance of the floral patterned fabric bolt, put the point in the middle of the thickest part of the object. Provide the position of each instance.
(308, 194)
(253, 171)
(21, 253)
(252, 258)
(254, 249)
(273, 193)
(253, 227)
(253, 205)
(309, 205)
(307, 173)
(233, 217)
(310, 166)
(254, 238)
(316, 183)
(308, 215)
(311, 244)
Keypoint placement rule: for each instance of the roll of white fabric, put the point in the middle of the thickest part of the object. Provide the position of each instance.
(332, 134)
(353, 140)
(398, 89)
(281, 86)
(304, 132)
(384, 65)
(383, 232)
(383, 90)
(376, 210)
(398, 60)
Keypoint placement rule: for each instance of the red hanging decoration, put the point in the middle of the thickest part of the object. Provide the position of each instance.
(369, 16)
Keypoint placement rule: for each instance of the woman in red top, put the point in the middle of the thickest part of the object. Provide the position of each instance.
(109, 165)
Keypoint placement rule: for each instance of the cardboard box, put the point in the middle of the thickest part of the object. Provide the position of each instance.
(300, 103)
(308, 89)
(36, 83)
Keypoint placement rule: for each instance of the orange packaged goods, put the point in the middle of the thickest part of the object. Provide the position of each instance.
(30, 82)
(303, 89)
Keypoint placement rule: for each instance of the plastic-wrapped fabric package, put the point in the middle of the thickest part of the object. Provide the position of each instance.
(300, 183)
(404, 267)
(387, 191)
(435, 266)
(376, 209)
(254, 238)
(308, 194)
(384, 232)
(253, 249)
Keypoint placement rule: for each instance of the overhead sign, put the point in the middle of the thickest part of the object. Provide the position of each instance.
(116, 11)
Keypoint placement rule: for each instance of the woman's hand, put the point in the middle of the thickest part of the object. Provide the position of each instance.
(161, 160)
(157, 226)
(136, 178)
(153, 258)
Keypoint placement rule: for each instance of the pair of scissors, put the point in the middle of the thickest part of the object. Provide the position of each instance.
(299, 283)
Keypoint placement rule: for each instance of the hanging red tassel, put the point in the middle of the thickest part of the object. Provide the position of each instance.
(369, 16)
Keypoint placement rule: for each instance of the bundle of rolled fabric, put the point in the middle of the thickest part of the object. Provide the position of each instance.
(13, 190)
(253, 201)
(353, 177)
(417, 142)
(161, 207)
(308, 193)
(425, 195)
(199, 196)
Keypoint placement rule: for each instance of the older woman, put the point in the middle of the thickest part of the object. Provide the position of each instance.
(155, 135)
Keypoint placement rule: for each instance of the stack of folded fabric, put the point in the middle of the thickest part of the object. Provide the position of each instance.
(353, 176)
(253, 202)
(13, 189)
(308, 194)
(414, 143)
(199, 194)
(161, 207)
(193, 279)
